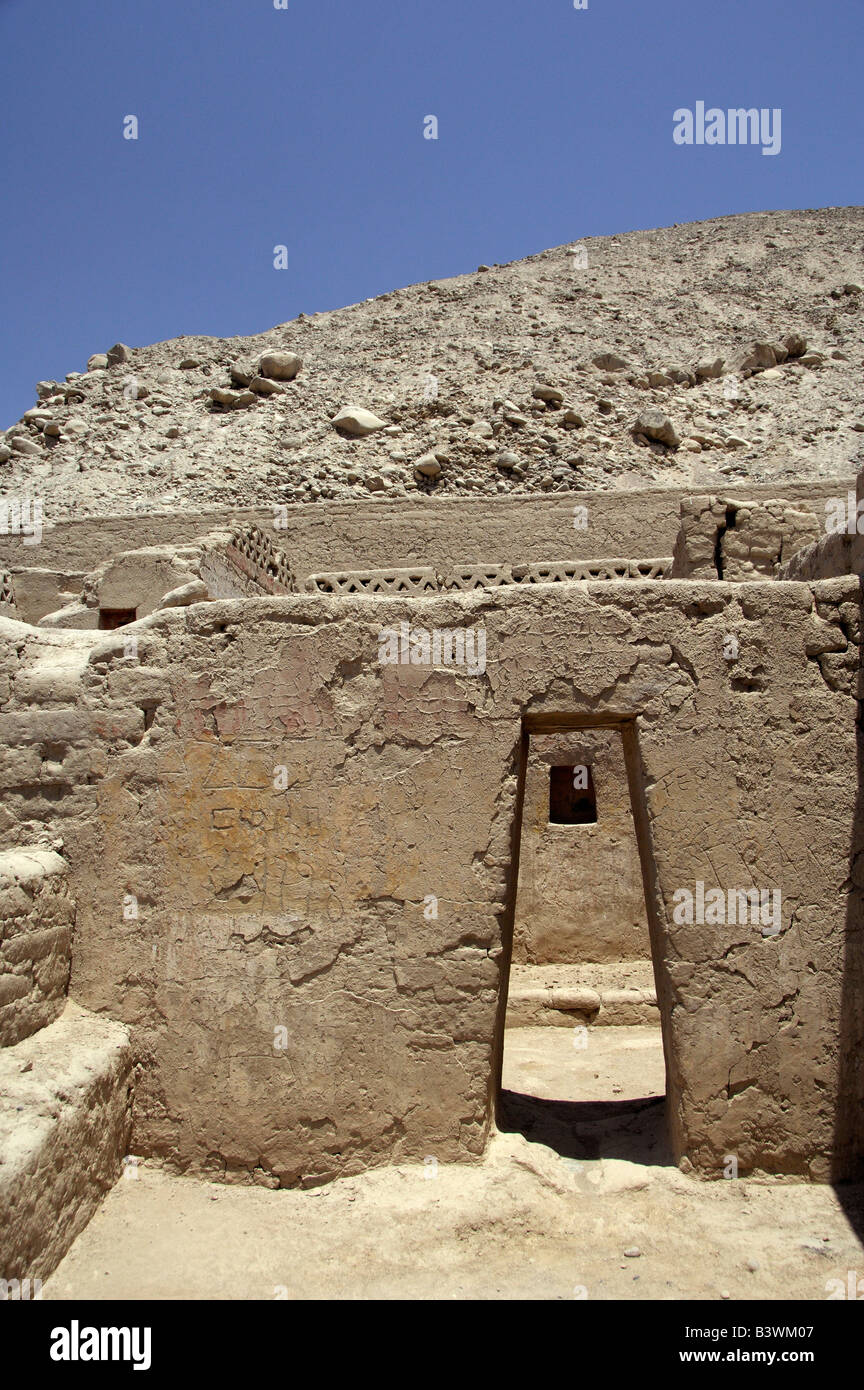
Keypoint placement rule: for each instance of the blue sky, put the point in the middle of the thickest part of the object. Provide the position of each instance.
(303, 127)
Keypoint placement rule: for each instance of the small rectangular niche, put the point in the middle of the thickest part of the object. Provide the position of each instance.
(111, 618)
(572, 799)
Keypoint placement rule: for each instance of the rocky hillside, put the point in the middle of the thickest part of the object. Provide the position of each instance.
(696, 354)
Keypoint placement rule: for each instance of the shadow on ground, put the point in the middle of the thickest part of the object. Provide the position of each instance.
(634, 1130)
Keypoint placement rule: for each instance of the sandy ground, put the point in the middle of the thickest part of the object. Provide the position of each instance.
(585, 1064)
(566, 1189)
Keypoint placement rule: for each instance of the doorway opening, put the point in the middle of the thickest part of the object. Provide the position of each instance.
(582, 1052)
(112, 618)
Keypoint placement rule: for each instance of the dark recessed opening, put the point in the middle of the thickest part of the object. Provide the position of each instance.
(572, 800)
(110, 618)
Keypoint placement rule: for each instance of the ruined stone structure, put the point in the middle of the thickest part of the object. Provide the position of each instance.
(290, 825)
(273, 861)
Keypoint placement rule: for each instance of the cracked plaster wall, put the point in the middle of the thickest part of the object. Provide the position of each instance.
(217, 906)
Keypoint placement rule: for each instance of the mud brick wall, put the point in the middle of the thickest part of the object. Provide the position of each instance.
(295, 866)
(41, 591)
(835, 552)
(726, 538)
(65, 1120)
(409, 531)
(37, 917)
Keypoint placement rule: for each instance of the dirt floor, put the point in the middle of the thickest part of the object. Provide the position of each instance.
(585, 1064)
(577, 1198)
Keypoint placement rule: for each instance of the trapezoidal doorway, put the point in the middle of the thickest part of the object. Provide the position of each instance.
(583, 1068)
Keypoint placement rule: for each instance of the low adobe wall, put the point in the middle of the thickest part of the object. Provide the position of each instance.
(65, 1119)
(295, 866)
(37, 917)
(440, 532)
(838, 551)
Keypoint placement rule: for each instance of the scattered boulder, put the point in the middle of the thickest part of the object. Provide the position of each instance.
(708, 368)
(98, 362)
(234, 400)
(550, 394)
(279, 366)
(795, 344)
(572, 418)
(680, 376)
(609, 362)
(653, 424)
(758, 359)
(263, 386)
(353, 419)
(659, 379)
(22, 445)
(117, 355)
(507, 461)
(428, 466)
(5, 453)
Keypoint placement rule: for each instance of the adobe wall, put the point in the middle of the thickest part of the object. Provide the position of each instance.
(40, 591)
(408, 530)
(837, 551)
(581, 896)
(724, 539)
(36, 920)
(313, 960)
